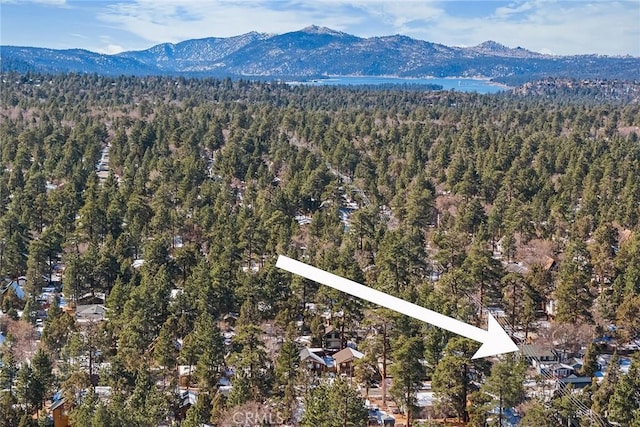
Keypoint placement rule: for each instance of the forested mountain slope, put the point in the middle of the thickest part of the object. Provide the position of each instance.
(208, 180)
(315, 52)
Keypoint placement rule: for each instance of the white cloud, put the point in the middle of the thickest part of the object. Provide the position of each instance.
(514, 8)
(111, 49)
(104, 44)
(561, 27)
(159, 21)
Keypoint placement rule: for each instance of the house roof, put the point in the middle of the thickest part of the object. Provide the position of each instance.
(57, 404)
(92, 296)
(17, 289)
(188, 398)
(347, 355)
(186, 370)
(90, 309)
(556, 366)
(90, 312)
(537, 352)
(516, 267)
(548, 263)
(306, 354)
(572, 379)
(575, 362)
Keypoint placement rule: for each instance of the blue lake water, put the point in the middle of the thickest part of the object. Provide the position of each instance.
(457, 84)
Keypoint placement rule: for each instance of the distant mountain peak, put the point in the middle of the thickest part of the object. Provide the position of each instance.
(315, 29)
(495, 48)
(493, 45)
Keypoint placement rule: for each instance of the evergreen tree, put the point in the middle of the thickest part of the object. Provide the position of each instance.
(9, 409)
(539, 415)
(590, 361)
(624, 404)
(408, 373)
(331, 405)
(573, 290)
(505, 384)
(251, 363)
(286, 371)
(42, 376)
(8, 368)
(204, 348)
(199, 413)
(456, 375)
(604, 390)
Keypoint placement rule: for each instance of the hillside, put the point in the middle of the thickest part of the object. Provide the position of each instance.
(317, 51)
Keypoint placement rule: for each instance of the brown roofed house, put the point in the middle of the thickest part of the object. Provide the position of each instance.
(345, 359)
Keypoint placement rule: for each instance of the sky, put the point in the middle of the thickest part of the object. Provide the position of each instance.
(557, 27)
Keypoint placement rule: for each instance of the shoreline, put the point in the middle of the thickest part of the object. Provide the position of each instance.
(471, 84)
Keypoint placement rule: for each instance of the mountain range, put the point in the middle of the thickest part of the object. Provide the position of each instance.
(315, 51)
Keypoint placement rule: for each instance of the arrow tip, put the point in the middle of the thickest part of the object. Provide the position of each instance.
(496, 340)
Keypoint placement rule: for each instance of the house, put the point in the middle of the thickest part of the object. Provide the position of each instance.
(516, 267)
(332, 338)
(378, 417)
(188, 398)
(510, 418)
(59, 409)
(184, 374)
(60, 413)
(603, 361)
(536, 354)
(16, 286)
(576, 363)
(90, 313)
(576, 382)
(91, 298)
(312, 361)
(345, 360)
(555, 369)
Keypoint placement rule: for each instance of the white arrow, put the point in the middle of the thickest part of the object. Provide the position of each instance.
(494, 340)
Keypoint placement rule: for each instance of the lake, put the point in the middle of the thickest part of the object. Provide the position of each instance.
(458, 84)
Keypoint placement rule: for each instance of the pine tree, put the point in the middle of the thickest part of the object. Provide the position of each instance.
(204, 347)
(590, 364)
(604, 390)
(407, 372)
(573, 290)
(251, 363)
(9, 409)
(624, 405)
(505, 384)
(286, 371)
(456, 375)
(8, 369)
(539, 415)
(42, 376)
(332, 405)
(199, 413)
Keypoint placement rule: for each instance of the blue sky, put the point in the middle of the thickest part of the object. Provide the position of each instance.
(110, 26)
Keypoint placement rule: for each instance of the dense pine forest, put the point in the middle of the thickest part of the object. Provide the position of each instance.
(166, 201)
